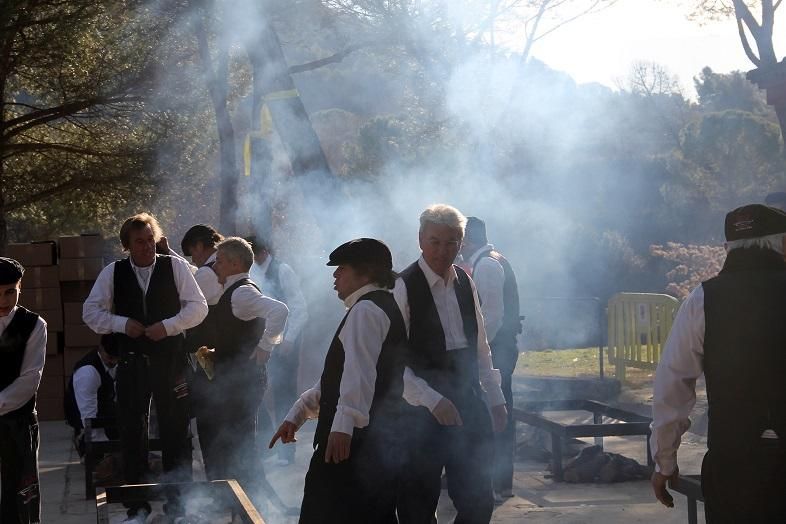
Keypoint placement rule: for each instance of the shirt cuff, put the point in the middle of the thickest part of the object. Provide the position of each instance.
(666, 465)
(265, 346)
(296, 414)
(430, 398)
(343, 423)
(169, 327)
(119, 324)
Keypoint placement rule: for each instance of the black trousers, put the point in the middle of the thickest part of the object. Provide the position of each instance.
(466, 453)
(745, 485)
(282, 372)
(162, 376)
(20, 500)
(504, 356)
(227, 426)
(360, 490)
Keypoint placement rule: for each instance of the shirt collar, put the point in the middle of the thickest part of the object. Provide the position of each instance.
(142, 268)
(234, 278)
(211, 258)
(352, 299)
(4, 321)
(479, 253)
(432, 278)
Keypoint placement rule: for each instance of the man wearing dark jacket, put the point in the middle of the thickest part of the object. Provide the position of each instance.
(731, 328)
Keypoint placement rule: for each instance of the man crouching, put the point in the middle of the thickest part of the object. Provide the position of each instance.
(352, 475)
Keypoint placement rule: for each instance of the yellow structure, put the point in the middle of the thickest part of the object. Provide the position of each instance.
(638, 326)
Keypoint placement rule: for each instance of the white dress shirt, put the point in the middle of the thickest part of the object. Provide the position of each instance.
(248, 304)
(362, 336)
(417, 392)
(87, 380)
(22, 389)
(208, 282)
(674, 392)
(290, 288)
(97, 309)
(489, 278)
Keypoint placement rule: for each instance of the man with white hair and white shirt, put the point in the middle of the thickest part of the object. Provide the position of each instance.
(731, 328)
(451, 376)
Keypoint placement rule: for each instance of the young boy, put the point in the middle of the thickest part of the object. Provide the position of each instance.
(353, 472)
(22, 355)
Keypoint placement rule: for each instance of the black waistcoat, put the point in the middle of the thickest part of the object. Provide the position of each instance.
(511, 323)
(235, 339)
(745, 349)
(454, 373)
(389, 385)
(162, 301)
(12, 351)
(105, 394)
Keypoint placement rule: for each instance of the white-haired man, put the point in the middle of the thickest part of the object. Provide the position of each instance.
(450, 370)
(731, 329)
(244, 327)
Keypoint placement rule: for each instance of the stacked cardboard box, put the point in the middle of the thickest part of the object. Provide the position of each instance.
(56, 291)
(81, 260)
(41, 294)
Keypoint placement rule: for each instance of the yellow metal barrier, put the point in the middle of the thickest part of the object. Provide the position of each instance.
(638, 326)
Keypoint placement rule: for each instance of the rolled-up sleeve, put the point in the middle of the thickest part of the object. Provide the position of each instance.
(674, 393)
(306, 407)
(248, 303)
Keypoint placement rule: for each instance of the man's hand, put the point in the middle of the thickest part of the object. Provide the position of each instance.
(156, 332)
(261, 356)
(162, 246)
(337, 449)
(286, 432)
(659, 486)
(134, 329)
(446, 413)
(499, 418)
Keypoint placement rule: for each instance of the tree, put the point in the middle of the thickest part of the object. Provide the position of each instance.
(74, 76)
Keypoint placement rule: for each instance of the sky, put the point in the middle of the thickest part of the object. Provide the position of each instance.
(601, 47)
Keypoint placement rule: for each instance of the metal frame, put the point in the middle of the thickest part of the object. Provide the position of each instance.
(690, 486)
(228, 491)
(631, 424)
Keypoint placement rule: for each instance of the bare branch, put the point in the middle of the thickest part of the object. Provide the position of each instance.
(746, 45)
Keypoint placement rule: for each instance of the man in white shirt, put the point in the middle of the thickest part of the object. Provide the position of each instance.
(22, 356)
(499, 301)
(359, 439)
(90, 393)
(149, 300)
(199, 243)
(731, 329)
(278, 280)
(451, 377)
(246, 326)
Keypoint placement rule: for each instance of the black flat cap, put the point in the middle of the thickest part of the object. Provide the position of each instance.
(754, 221)
(362, 251)
(11, 271)
(475, 231)
(199, 233)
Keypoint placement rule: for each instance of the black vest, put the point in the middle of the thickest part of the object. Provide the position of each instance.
(511, 323)
(454, 373)
(12, 351)
(235, 339)
(389, 385)
(105, 394)
(745, 349)
(162, 301)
